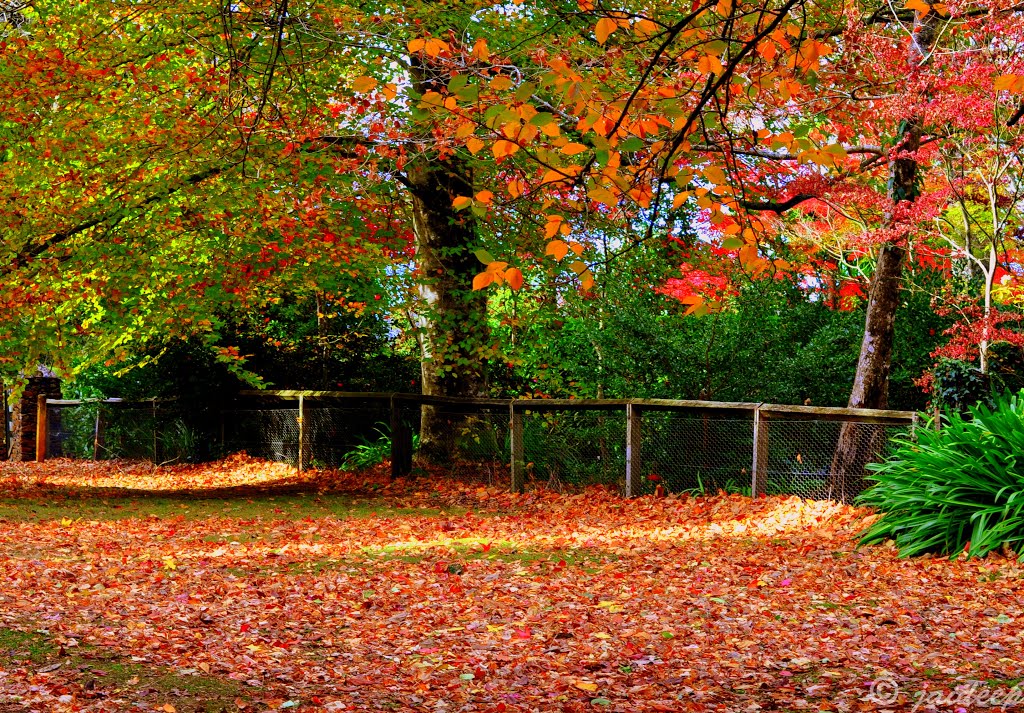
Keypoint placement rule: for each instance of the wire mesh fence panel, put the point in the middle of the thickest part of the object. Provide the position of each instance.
(802, 457)
(131, 430)
(71, 430)
(347, 437)
(694, 452)
(575, 447)
(465, 443)
(139, 431)
(263, 432)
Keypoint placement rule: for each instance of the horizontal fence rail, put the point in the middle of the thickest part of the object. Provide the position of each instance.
(639, 446)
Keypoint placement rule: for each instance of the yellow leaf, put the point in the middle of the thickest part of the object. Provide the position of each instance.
(485, 197)
(602, 635)
(462, 202)
(605, 26)
(587, 280)
(715, 174)
(483, 280)
(499, 84)
(474, 144)
(557, 249)
(464, 130)
(573, 149)
(585, 686)
(364, 84)
(514, 277)
(603, 195)
(504, 148)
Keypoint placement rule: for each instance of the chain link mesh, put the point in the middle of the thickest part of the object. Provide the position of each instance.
(680, 449)
(698, 453)
(466, 443)
(802, 457)
(574, 447)
(131, 430)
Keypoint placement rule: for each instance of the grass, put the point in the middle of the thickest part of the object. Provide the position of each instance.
(101, 670)
(290, 506)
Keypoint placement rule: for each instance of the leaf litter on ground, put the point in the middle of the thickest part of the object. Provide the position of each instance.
(240, 585)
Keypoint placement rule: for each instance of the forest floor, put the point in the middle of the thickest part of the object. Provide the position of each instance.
(240, 587)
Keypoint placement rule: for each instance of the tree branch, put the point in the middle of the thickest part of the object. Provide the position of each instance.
(33, 249)
(776, 206)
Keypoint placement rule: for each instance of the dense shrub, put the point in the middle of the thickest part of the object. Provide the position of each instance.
(961, 487)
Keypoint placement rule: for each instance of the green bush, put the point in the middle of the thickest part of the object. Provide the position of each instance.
(961, 487)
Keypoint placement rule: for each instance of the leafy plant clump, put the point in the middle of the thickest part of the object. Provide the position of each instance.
(958, 489)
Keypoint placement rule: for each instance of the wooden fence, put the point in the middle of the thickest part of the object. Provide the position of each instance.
(762, 415)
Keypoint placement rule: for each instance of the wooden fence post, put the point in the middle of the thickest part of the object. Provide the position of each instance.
(518, 455)
(401, 442)
(156, 435)
(759, 471)
(97, 434)
(632, 448)
(42, 428)
(302, 432)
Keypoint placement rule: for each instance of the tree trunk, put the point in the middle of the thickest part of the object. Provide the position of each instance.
(861, 443)
(455, 317)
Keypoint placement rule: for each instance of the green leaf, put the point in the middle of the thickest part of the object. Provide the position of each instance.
(483, 256)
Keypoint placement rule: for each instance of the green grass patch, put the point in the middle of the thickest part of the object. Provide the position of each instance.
(96, 668)
(468, 549)
(290, 506)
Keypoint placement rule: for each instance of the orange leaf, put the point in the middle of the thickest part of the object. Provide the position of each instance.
(577, 248)
(364, 84)
(557, 249)
(474, 144)
(573, 149)
(483, 280)
(585, 685)
(605, 26)
(644, 28)
(551, 229)
(417, 45)
(480, 50)
(484, 197)
(514, 277)
(462, 202)
(1010, 82)
(504, 148)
